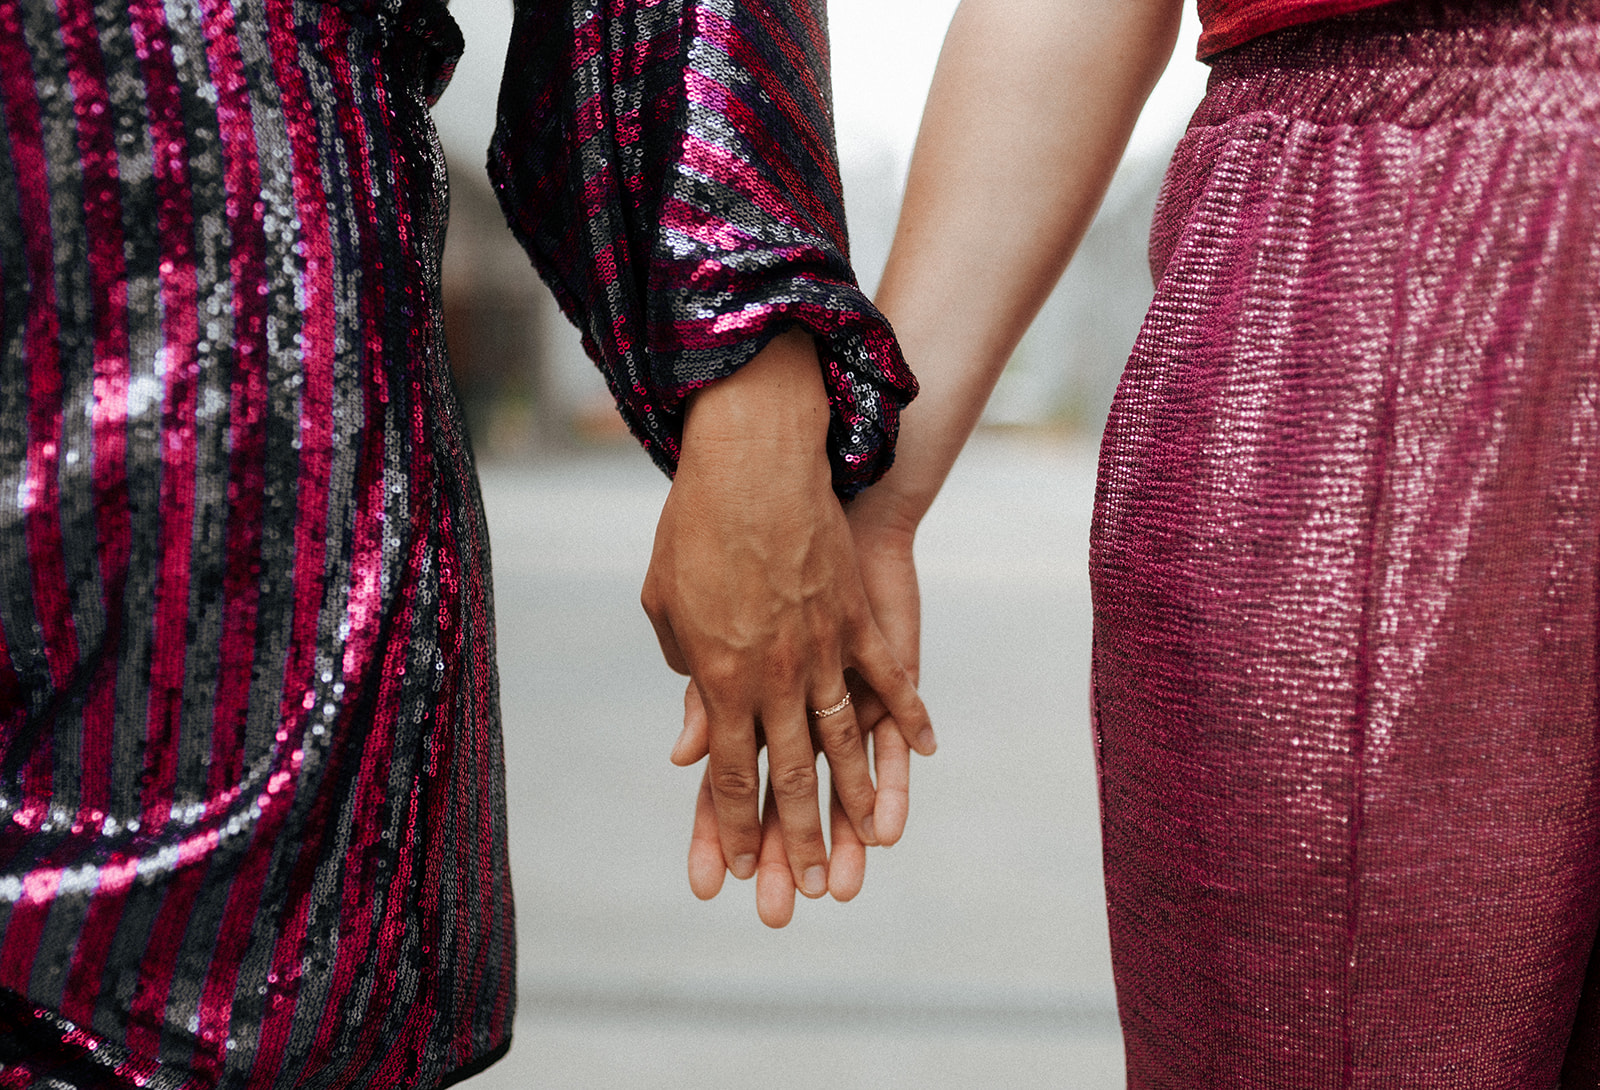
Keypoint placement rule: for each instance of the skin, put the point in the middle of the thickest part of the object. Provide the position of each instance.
(1030, 110)
(888, 575)
(755, 592)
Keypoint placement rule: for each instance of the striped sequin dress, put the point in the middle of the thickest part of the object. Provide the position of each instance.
(252, 814)
(250, 768)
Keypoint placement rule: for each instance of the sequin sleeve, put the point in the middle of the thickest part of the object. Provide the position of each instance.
(670, 167)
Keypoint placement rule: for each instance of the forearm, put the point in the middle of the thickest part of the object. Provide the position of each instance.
(1031, 107)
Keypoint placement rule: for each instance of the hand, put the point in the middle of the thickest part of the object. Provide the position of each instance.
(883, 537)
(754, 592)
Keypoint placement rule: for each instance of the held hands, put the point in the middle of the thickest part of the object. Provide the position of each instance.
(889, 577)
(754, 591)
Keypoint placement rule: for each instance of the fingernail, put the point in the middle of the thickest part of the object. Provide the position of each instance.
(682, 734)
(816, 882)
(744, 866)
(925, 742)
(869, 831)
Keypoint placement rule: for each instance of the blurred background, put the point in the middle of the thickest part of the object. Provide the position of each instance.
(976, 956)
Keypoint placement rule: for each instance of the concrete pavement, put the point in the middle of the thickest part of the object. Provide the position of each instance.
(976, 955)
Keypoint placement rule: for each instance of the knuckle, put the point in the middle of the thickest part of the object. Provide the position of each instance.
(735, 784)
(718, 675)
(651, 601)
(795, 782)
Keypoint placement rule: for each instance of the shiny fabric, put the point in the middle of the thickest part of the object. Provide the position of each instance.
(670, 167)
(1227, 23)
(1344, 561)
(252, 821)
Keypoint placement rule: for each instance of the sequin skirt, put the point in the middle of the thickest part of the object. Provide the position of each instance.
(1344, 561)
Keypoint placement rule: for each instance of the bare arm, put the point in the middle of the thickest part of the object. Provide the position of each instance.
(1031, 106)
(1030, 109)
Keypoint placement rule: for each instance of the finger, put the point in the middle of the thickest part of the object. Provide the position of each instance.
(792, 779)
(774, 879)
(693, 743)
(735, 789)
(847, 865)
(892, 758)
(668, 640)
(839, 739)
(706, 866)
(879, 668)
(869, 709)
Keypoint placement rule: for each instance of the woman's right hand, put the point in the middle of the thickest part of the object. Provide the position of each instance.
(883, 539)
(754, 592)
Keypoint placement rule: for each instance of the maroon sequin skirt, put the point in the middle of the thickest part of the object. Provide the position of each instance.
(1345, 568)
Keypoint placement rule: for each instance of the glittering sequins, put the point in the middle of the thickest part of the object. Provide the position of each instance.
(670, 166)
(251, 809)
(1344, 563)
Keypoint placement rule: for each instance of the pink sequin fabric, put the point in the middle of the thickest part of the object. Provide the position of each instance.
(1345, 568)
(252, 817)
(670, 167)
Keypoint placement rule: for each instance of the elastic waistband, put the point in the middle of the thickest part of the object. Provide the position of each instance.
(1418, 62)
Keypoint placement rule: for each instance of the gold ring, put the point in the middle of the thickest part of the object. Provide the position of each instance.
(823, 713)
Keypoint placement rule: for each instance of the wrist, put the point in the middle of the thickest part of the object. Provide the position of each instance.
(771, 415)
(883, 517)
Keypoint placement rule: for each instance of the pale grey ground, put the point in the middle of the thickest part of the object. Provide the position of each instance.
(975, 957)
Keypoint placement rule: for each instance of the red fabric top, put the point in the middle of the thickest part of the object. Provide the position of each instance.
(1227, 23)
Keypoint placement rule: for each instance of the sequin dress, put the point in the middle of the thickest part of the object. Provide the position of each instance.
(252, 814)
(1344, 565)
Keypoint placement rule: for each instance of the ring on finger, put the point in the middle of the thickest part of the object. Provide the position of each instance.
(823, 713)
